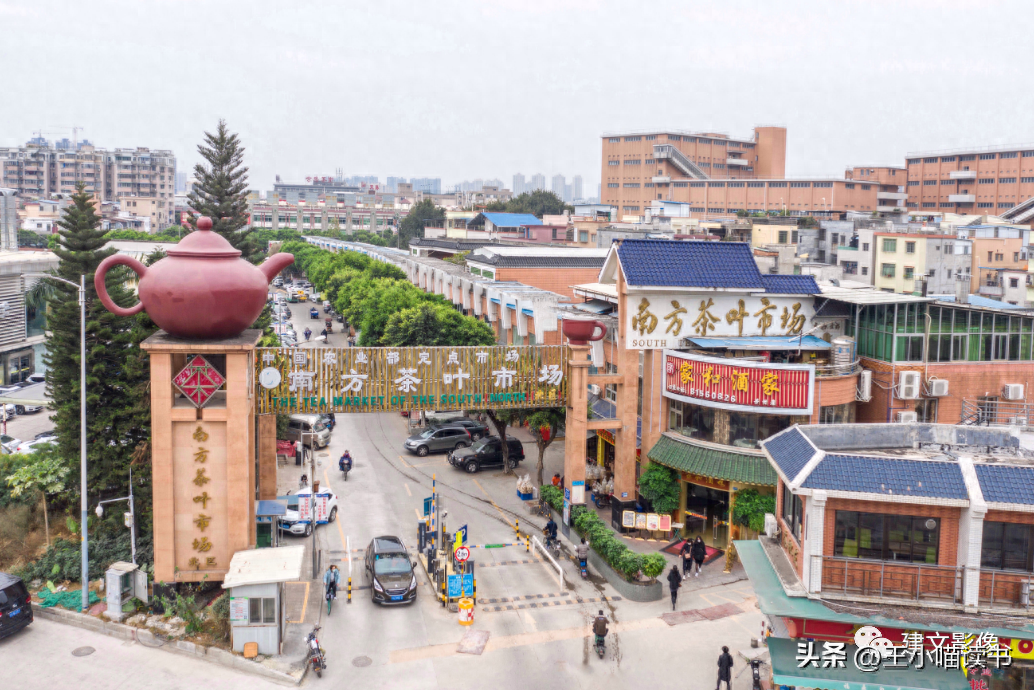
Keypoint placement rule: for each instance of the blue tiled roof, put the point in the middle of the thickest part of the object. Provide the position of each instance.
(790, 450)
(790, 285)
(1006, 483)
(676, 263)
(891, 476)
(512, 220)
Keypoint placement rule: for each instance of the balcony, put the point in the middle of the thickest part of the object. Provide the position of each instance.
(661, 179)
(859, 578)
(962, 198)
(890, 209)
(995, 291)
(1005, 589)
(737, 162)
(963, 174)
(896, 196)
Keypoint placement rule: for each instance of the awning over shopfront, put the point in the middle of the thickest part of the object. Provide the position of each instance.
(786, 671)
(712, 460)
(768, 342)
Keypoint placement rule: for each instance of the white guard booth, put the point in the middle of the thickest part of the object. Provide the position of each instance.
(256, 584)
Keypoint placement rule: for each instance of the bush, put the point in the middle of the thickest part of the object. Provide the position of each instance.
(219, 613)
(653, 564)
(62, 560)
(750, 508)
(660, 486)
(553, 496)
(629, 563)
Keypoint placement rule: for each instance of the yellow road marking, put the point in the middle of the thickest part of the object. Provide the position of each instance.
(408, 492)
(705, 598)
(505, 517)
(732, 601)
(404, 461)
(305, 602)
(418, 516)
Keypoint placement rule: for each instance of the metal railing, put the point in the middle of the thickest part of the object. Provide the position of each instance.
(679, 159)
(997, 412)
(891, 579)
(1005, 588)
(838, 369)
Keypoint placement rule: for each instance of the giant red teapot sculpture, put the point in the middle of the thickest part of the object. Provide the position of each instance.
(201, 290)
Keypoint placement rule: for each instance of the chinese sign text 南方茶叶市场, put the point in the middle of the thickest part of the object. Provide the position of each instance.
(201, 544)
(382, 379)
(659, 321)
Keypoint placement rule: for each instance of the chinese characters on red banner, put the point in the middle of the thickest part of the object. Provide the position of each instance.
(714, 382)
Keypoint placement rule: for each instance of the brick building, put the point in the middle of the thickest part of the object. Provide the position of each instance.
(988, 180)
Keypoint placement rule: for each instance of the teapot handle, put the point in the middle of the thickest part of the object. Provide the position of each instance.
(102, 288)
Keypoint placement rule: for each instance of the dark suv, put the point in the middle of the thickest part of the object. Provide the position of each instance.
(477, 429)
(15, 605)
(488, 452)
(389, 571)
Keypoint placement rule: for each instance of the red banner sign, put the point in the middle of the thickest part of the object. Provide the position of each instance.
(739, 385)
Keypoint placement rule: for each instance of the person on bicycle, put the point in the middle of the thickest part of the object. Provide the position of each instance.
(550, 531)
(331, 580)
(583, 553)
(345, 461)
(599, 628)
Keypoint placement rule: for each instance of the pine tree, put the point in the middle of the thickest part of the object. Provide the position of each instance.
(222, 187)
(113, 430)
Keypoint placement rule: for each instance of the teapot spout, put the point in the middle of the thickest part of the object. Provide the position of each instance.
(276, 263)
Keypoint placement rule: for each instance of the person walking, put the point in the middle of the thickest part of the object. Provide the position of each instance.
(686, 552)
(699, 553)
(674, 582)
(724, 669)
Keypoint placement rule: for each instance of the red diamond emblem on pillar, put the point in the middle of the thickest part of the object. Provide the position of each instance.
(199, 381)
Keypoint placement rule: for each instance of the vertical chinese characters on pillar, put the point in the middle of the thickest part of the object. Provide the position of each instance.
(201, 544)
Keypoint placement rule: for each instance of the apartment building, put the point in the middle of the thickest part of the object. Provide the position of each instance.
(41, 172)
(880, 174)
(995, 247)
(971, 181)
(8, 219)
(319, 216)
(902, 259)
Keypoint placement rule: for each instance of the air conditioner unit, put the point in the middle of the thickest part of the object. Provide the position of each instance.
(865, 386)
(906, 417)
(938, 388)
(594, 389)
(771, 526)
(1012, 391)
(908, 385)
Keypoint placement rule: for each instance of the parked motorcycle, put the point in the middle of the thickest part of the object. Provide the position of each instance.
(317, 657)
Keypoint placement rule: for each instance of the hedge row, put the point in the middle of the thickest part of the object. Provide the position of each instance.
(603, 540)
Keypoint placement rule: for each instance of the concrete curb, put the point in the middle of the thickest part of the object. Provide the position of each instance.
(148, 639)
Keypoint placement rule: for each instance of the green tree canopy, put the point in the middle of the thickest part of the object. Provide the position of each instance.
(660, 486)
(538, 203)
(435, 325)
(221, 189)
(422, 214)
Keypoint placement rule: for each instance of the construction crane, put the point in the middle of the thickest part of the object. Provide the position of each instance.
(75, 134)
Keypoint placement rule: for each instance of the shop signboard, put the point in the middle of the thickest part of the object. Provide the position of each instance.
(734, 384)
(322, 504)
(658, 320)
(653, 522)
(391, 379)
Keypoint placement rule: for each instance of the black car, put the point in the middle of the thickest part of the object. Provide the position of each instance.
(15, 605)
(477, 429)
(488, 452)
(389, 572)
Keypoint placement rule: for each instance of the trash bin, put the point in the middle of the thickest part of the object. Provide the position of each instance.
(466, 609)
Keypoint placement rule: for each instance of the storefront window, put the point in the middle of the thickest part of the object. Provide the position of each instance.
(35, 321)
(886, 537)
(1006, 546)
(747, 430)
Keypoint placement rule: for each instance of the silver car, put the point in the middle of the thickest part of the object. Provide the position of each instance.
(438, 440)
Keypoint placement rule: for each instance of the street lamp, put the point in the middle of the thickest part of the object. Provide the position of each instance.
(81, 287)
(132, 514)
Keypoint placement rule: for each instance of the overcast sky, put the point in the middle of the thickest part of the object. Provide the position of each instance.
(486, 89)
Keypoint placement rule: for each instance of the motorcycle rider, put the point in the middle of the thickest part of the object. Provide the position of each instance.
(345, 461)
(550, 531)
(583, 553)
(308, 333)
(331, 580)
(599, 628)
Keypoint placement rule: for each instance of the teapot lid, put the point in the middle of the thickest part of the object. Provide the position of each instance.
(205, 243)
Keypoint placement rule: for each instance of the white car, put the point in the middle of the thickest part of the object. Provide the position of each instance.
(33, 446)
(289, 522)
(9, 442)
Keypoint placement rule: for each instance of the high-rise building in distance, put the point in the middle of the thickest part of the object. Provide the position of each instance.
(558, 185)
(576, 188)
(39, 170)
(518, 184)
(538, 181)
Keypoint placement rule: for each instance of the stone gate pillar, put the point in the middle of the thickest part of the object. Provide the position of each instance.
(202, 453)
